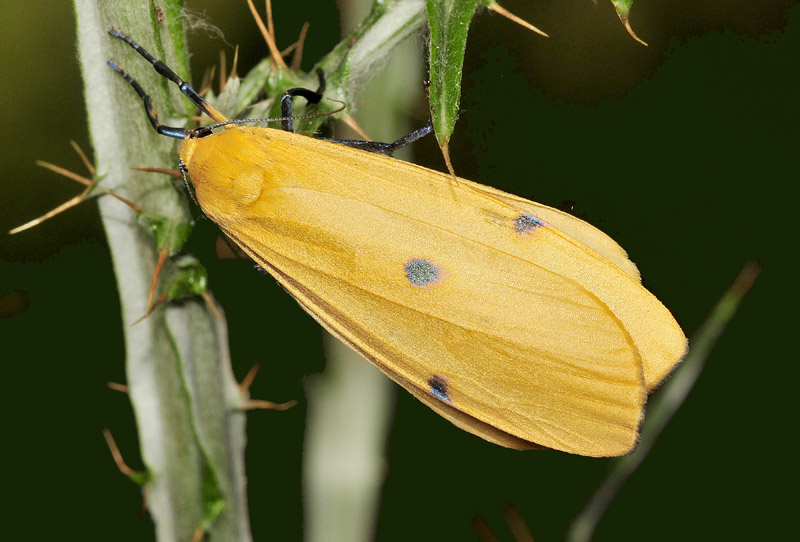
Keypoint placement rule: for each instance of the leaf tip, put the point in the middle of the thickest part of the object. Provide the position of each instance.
(626, 22)
(445, 148)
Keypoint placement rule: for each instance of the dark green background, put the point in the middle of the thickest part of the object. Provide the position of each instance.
(685, 152)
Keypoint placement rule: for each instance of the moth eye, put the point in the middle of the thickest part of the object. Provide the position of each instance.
(421, 272)
(526, 224)
(438, 387)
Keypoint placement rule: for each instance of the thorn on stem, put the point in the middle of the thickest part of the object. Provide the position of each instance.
(162, 258)
(268, 34)
(117, 387)
(297, 58)
(116, 455)
(166, 171)
(256, 404)
(500, 10)
(353, 125)
(248, 379)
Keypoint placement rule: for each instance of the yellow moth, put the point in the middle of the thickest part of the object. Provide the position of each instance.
(519, 323)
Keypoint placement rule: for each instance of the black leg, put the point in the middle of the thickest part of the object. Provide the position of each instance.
(312, 96)
(386, 148)
(171, 131)
(165, 71)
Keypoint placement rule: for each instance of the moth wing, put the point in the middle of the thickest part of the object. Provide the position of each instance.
(502, 347)
(660, 340)
(581, 231)
(522, 350)
(528, 331)
(655, 332)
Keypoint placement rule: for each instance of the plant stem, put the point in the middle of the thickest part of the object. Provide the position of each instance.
(187, 405)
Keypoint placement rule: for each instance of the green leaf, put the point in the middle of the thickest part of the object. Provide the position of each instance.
(449, 22)
(355, 59)
(168, 232)
(189, 278)
(623, 6)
